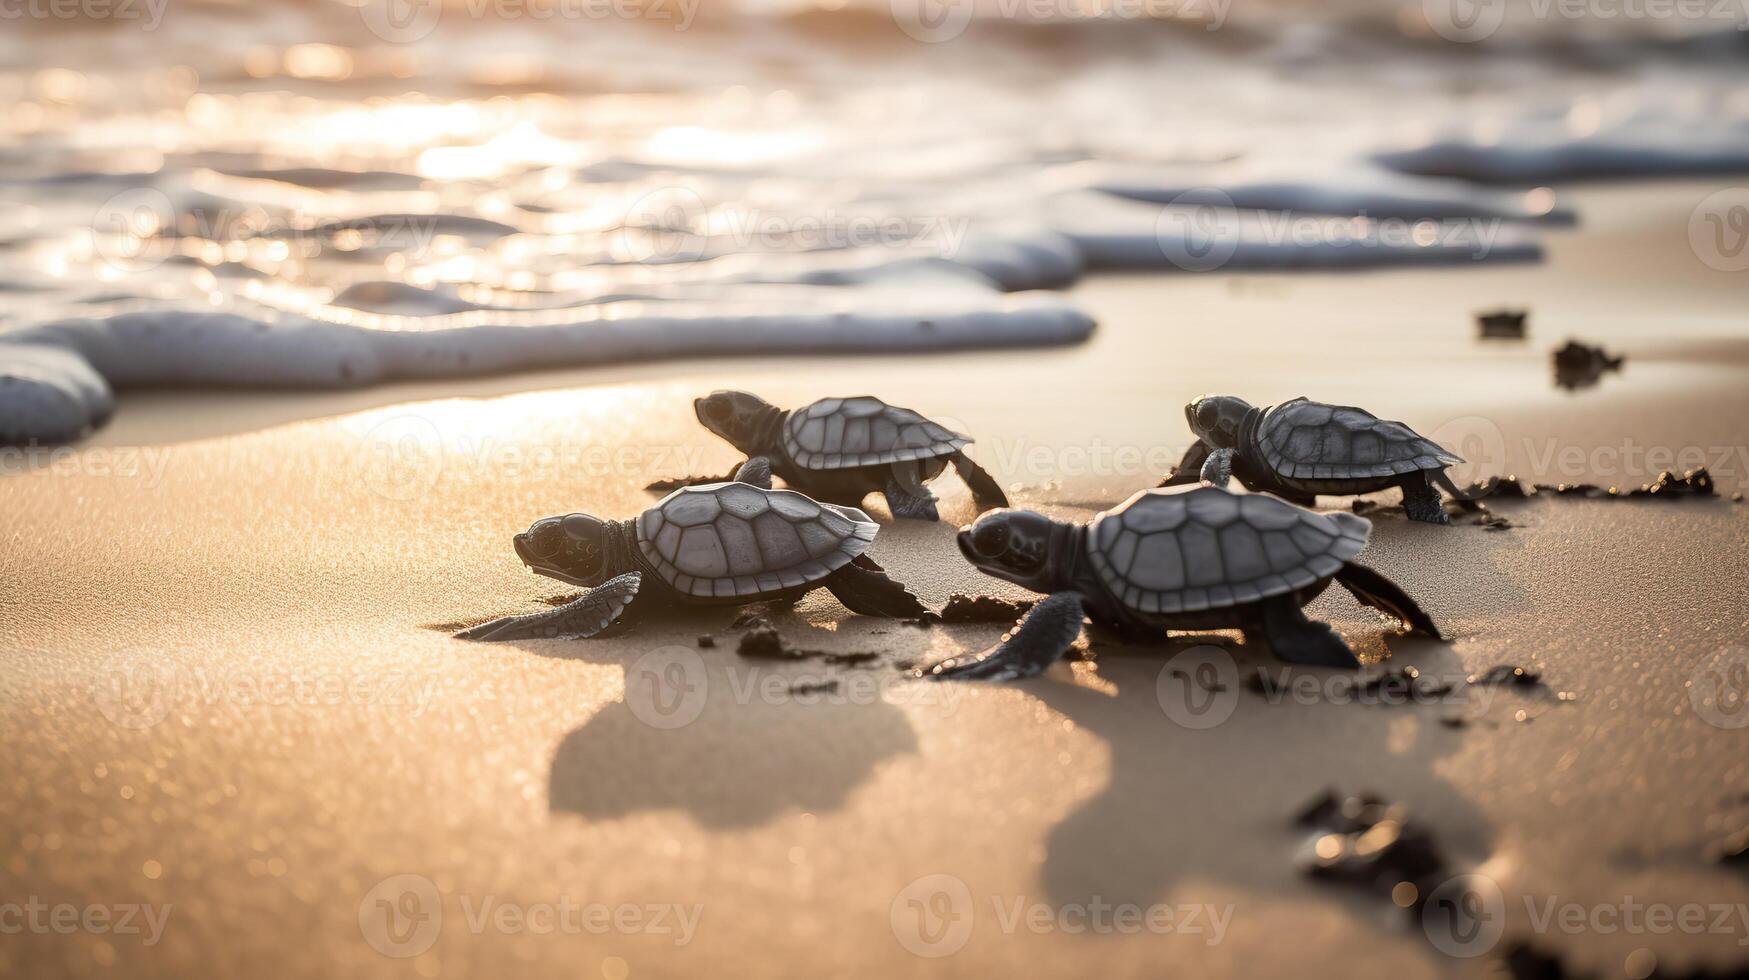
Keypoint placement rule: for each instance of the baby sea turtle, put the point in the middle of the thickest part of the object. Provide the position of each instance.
(1197, 558)
(717, 544)
(843, 449)
(1299, 449)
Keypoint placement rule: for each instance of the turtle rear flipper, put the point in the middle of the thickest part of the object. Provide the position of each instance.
(1297, 640)
(582, 617)
(986, 492)
(864, 588)
(1040, 640)
(756, 471)
(1372, 589)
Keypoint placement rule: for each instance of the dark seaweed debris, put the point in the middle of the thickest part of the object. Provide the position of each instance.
(1580, 365)
(962, 608)
(765, 643)
(814, 687)
(1668, 486)
(1365, 842)
(1502, 324)
(1507, 675)
(707, 641)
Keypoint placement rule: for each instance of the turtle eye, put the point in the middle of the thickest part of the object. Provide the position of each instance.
(1206, 416)
(716, 409)
(991, 539)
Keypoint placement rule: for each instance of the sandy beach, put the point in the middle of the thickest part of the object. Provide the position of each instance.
(230, 699)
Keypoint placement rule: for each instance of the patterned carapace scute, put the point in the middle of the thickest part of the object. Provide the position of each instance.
(839, 433)
(723, 540)
(1173, 551)
(1306, 440)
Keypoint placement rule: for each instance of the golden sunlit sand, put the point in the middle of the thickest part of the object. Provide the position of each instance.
(226, 697)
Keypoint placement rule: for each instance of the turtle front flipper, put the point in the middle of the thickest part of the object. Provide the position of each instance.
(864, 588)
(756, 471)
(986, 492)
(582, 617)
(675, 483)
(1189, 469)
(906, 495)
(1298, 640)
(1040, 640)
(1217, 470)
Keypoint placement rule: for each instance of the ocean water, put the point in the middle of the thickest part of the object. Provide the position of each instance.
(326, 194)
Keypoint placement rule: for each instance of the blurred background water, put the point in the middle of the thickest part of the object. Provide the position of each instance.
(307, 192)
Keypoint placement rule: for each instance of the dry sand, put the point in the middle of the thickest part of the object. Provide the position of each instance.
(224, 697)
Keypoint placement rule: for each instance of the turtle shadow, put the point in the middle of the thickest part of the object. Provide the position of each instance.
(1206, 788)
(733, 743)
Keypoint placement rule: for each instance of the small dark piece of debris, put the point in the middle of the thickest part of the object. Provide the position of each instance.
(1737, 498)
(813, 687)
(924, 621)
(763, 643)
(962, 608)
(1502, 324)
(707, 641)
(1363, 841)
(1525, 962)
(1366, 506)
(851, 659)
(1507, 675)
(1455, 721)
(1580, 365)
(1504, 487)
(1668, 486)
(1494, 522)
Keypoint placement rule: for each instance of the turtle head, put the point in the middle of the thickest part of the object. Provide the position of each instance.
(1216, 419)
(1019, 546)
(572, 548)
(737, 416)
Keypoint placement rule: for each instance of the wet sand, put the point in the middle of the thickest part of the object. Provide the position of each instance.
(226, 697)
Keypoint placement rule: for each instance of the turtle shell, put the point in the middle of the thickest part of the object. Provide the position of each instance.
(734, 540)
(839, 433)
(1186, 550)
(1305, 440)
